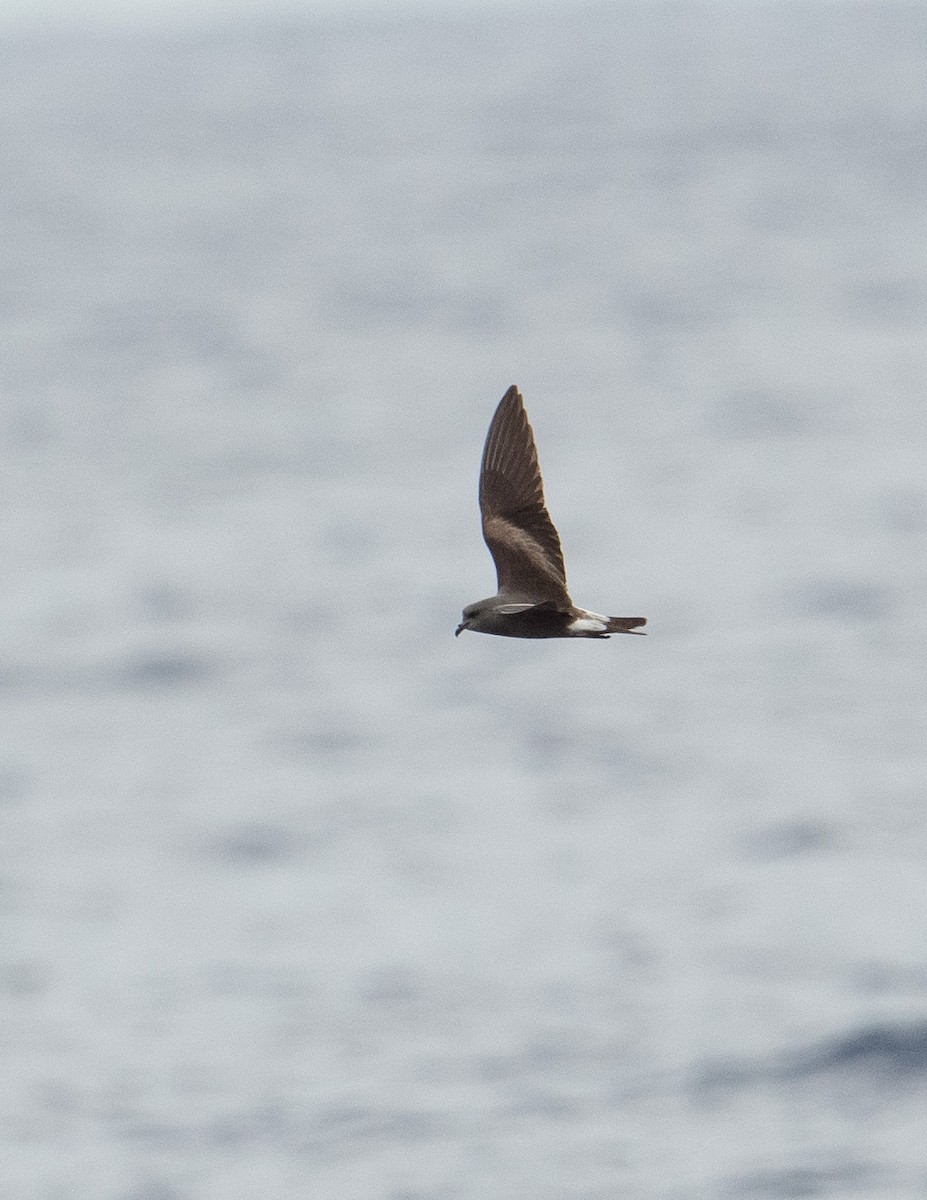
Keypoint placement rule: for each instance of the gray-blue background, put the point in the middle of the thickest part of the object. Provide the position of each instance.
(300, 896)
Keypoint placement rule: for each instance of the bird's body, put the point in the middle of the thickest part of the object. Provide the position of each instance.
(532, 599)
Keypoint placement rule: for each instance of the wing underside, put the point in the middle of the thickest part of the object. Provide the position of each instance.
(516, 524)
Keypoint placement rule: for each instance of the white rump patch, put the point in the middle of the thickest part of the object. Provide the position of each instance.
(590, 623)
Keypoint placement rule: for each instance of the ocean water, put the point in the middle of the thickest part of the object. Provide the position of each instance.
(303, 897)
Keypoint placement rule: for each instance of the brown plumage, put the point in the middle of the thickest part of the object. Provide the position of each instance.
(532, 600)
(516, 524)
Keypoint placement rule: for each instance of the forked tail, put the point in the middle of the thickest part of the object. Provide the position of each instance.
(625, 625)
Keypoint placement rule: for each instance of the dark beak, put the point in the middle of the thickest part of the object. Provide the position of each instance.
(460, 627)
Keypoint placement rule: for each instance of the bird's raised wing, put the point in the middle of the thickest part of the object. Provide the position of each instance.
(516, 524)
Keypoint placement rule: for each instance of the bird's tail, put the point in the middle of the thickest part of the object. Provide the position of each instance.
(625, 625)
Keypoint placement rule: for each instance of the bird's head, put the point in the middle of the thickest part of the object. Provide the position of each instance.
(471, 618)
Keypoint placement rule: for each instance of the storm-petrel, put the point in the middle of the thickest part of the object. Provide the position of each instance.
(533, 601)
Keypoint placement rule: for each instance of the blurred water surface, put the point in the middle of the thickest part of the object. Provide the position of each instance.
(301, 896)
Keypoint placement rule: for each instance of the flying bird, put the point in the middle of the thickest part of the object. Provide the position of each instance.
(532, 601)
